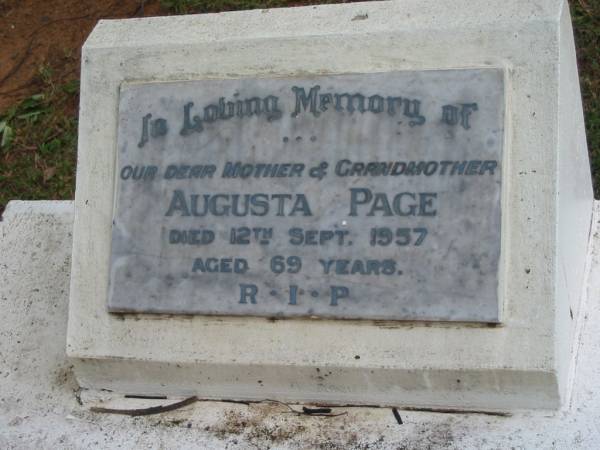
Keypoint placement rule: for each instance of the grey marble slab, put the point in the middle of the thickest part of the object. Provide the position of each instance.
(363, 196)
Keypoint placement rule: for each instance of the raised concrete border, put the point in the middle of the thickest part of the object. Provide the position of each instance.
(547, 209)
(40, 401)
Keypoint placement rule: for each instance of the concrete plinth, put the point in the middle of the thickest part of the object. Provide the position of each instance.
(41, 405)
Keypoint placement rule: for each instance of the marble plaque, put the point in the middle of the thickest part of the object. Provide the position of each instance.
(362, 196)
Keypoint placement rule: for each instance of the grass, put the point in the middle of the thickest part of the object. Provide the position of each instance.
(38, 136)
(38, 143)
(586, 23)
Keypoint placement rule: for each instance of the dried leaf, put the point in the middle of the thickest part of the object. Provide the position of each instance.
(7, 135)
(48, 173)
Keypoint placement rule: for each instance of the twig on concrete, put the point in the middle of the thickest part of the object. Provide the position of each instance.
(319, 412)
(146, 411)
(397, 416)
(306, 410)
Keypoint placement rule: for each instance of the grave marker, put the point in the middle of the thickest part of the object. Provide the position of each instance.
(371, 196)
(402, 202)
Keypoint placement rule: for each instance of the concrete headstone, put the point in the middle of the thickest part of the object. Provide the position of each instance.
(373, 203)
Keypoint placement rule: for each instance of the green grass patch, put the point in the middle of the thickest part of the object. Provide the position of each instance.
(586, 23)
(38, 140)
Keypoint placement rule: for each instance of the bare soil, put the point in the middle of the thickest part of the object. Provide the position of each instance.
(39, 33)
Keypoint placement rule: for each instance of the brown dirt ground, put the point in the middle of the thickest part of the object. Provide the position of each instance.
(51, 32)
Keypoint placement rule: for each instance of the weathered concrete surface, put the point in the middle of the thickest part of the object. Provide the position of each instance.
(39, 405)
(443, 261)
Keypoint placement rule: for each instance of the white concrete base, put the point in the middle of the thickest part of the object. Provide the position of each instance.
(39, 405)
